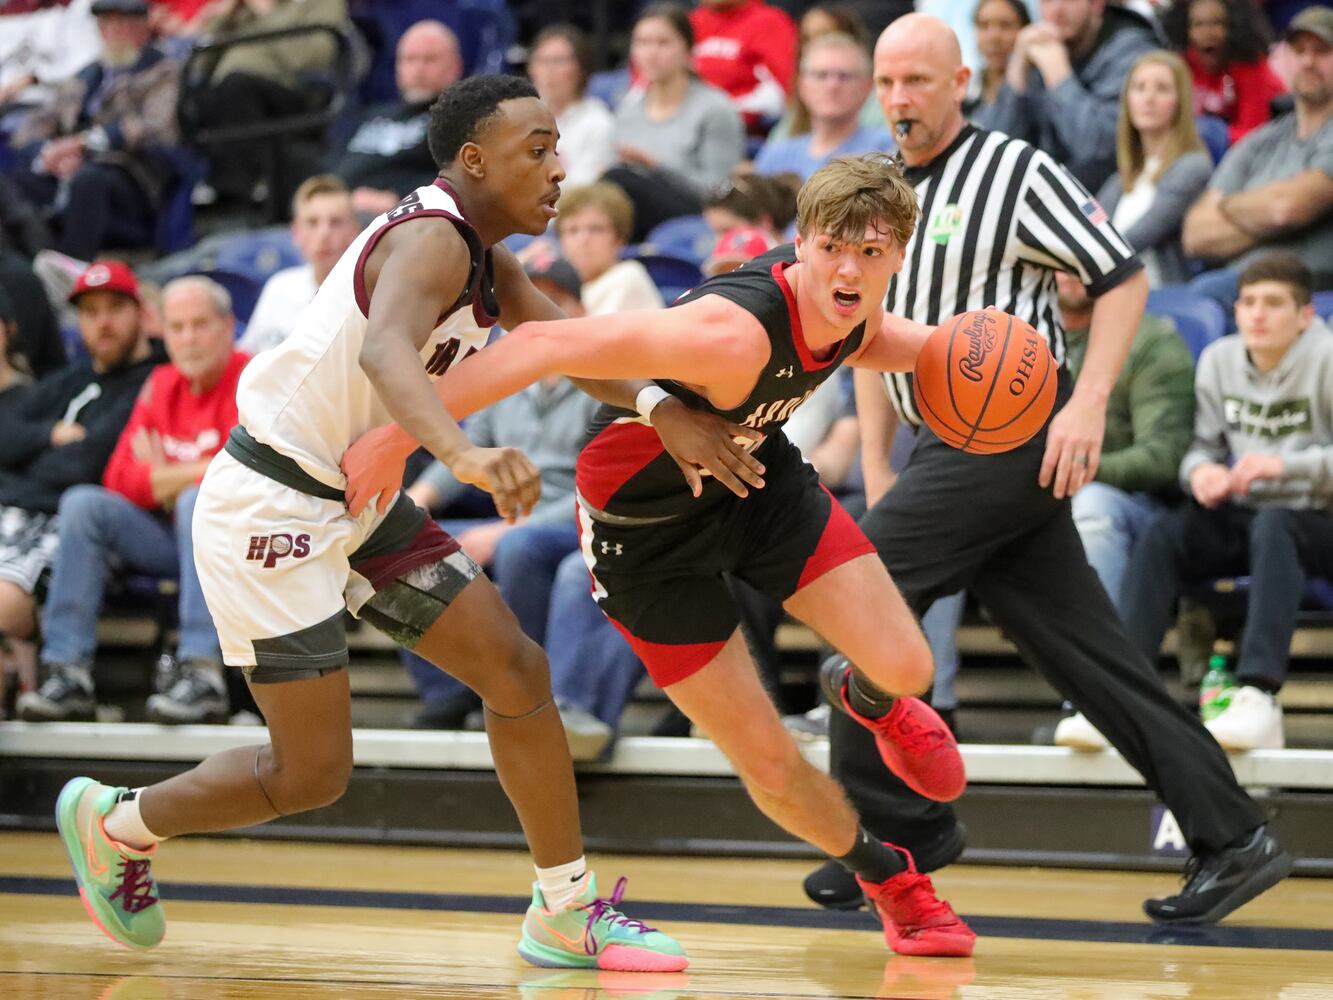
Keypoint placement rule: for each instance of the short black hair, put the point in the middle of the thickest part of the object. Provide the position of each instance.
(466, 107)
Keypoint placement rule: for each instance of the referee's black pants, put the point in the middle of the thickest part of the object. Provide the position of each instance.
(955, 521)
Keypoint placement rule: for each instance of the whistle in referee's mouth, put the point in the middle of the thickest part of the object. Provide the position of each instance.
(902, 128)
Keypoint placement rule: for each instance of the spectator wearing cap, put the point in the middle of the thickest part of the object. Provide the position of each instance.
(547, 420)
(834, 84)
(1274, 189)
(735, 247)
(63, 433)
(594, 225)
(94, 152)
(139, 517)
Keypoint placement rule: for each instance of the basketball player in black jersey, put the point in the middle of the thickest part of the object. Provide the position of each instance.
(749, 346)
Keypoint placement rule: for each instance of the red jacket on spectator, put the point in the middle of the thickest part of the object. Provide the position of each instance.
(749, 51)
(191, 427)
(1239, 95)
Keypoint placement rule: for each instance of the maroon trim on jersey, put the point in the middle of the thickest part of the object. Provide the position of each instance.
(841, 542)
(448, 189)
(669, 663)
(809, 362)
(612, 458)
(359, 272)
(430, 544)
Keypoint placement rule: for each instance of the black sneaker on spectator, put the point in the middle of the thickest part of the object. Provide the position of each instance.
(65, 695)
(199, 695)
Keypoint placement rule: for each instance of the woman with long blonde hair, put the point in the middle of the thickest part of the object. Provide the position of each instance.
(1162, 165)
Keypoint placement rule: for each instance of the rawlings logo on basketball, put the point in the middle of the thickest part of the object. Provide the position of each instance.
(981, 335)
(268, 549)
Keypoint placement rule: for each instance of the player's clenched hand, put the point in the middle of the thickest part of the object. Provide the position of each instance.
(373, 469)
(704, 443)
(504, 473)
(1073, 447)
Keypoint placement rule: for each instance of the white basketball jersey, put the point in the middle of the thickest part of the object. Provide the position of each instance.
(308, 397)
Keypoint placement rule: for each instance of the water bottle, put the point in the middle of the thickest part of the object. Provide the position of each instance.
(1216, 688)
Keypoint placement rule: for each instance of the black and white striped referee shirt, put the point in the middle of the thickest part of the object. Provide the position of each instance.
(998, 218)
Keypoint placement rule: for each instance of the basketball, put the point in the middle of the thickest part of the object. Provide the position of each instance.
(985, 382)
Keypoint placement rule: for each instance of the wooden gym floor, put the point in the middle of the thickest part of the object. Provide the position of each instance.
(286, 921)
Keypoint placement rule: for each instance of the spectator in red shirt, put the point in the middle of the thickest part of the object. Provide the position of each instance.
(748, 49)
(139, 519)
(1226, 44)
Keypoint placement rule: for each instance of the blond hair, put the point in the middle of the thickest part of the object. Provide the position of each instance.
(1129, 156)
(848, 194)
(604, 196)
(313, 187)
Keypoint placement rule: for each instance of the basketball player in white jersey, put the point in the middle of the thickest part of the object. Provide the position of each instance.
(280, 558)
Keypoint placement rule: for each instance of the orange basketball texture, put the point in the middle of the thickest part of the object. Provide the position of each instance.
(985, 382)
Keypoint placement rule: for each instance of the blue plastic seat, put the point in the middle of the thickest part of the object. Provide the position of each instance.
(609, 86)
(1200, 320)
(672, 275)
(1323, 304)
(688, 238)
(1215, 135)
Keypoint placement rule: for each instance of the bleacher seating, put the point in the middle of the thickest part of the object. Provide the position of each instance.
(1323, 305)
(1200, 320)
(485, 30)
(689, 238)
(673, 276)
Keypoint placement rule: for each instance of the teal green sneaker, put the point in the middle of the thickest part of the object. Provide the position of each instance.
(115, 881)
(593, 934)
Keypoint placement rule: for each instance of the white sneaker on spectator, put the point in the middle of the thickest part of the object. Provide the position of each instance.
(809, 726)
(587, 735)
(197, 696)
(1077, 732)
(1253, 721)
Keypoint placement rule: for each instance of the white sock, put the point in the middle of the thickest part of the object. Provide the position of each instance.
(124, 824)
(563, 884)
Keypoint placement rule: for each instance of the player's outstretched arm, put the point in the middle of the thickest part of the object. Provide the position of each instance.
(891, 344)
(710, 343)
(698, 442)
(411, 277)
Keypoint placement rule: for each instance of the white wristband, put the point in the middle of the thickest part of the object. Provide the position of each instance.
(648, 398)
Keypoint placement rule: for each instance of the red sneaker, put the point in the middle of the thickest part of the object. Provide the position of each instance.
(916, 921)
(914, 744)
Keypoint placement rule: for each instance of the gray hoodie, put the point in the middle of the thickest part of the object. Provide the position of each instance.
(1076, 121)
(1287, 412)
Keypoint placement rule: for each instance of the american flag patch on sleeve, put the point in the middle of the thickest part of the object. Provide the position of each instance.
(1094, 212)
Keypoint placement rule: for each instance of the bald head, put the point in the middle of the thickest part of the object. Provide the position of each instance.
(923, 35)
(920, 81)
(428, 60)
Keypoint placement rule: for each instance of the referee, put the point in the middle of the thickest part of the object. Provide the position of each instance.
(999, 218)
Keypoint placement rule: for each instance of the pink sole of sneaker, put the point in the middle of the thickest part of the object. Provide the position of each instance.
(621, 958)
(933, 944)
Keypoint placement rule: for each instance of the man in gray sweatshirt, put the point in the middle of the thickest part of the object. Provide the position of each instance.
(1260, 472)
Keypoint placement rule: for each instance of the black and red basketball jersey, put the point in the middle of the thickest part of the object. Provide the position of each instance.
(624, 472)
